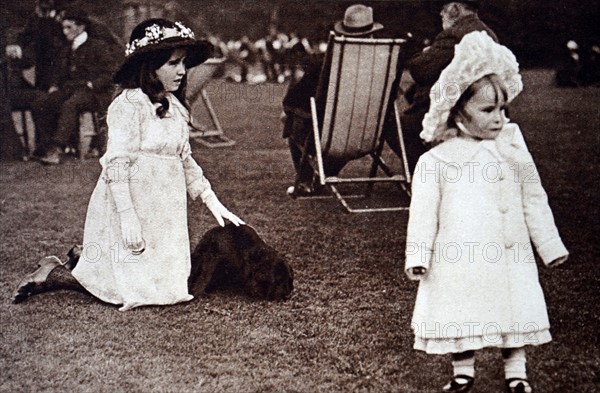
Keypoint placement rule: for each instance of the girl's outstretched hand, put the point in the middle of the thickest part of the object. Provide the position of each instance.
(235, 220)
(218, 210)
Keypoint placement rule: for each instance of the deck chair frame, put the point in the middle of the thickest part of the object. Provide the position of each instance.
(214, 136)
(361, 120)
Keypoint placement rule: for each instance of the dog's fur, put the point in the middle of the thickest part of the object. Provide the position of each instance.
(229, 257)
(233, 256)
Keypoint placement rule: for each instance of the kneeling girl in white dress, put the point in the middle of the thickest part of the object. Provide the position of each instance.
(136, 247)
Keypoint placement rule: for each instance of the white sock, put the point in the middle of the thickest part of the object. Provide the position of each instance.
(514, 363)
(464, 366)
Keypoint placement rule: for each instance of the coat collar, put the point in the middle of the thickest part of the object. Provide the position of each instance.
(505, 147)
(79, 40)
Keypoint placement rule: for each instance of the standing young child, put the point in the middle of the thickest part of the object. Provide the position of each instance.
(477, 204)
(136, 247)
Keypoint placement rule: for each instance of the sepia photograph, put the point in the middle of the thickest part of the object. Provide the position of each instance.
(300, 196)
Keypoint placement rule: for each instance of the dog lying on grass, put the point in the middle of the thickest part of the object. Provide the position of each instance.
(233, 256)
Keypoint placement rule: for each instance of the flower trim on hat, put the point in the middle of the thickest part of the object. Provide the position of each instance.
(476, 56)
(155, 34)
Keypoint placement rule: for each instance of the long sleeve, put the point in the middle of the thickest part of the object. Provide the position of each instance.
(94, 61)
(423, 215)
(195, 181)
(297, 97)
(124, 120)
(425, 67)
(124, 132)
(59, 69)
(539, 217)
(118, 164)
(107, 60)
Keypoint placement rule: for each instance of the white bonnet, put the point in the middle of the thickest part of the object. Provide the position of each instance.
(476, 56)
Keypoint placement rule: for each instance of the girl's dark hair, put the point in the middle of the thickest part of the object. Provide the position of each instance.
(145, 78)
(459, 108)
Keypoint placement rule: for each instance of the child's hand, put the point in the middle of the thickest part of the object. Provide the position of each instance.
(558, 261)
(419, 271)
(416, 273)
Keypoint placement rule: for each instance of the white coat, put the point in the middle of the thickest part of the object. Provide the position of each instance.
(475, 206)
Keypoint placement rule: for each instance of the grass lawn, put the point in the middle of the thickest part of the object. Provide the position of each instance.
(346, 327)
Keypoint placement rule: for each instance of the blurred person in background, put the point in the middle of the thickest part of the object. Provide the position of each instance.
(297, 54)
(567, 74)
(246, 57)
(589, 73)
(458, 19)
(10, 146)
(39, 44)
(273, 52)
(82, 82)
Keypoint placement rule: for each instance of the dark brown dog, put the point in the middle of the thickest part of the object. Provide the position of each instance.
(230, 257)
(233, 256)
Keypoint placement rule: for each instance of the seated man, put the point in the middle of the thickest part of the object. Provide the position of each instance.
(358, 22)
(39, 44)
(83, 82)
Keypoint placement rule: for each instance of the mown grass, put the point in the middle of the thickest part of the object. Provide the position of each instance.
(346, 327)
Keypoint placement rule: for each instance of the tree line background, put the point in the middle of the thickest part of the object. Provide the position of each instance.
(536, 30)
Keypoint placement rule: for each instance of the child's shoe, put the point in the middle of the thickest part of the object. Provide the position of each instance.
(518, 385)
(459, 383)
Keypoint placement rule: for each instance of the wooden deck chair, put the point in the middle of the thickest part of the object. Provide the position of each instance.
(89, 128)
(214, 136)
(25, 128)
(358, 92)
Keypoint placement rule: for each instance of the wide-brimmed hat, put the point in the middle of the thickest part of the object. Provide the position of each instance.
(158, 34)
(476, 56)
(77, 15)
(358, 20)
(472, 3)
(47, 5)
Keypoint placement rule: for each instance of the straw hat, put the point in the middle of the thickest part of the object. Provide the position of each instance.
(358, 20)
(158, 34)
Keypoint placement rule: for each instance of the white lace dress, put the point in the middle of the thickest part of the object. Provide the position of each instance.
(153, 155)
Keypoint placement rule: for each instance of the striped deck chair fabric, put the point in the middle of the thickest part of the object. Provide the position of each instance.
(361, 79)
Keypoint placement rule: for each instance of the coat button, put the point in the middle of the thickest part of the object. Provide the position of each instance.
(503, 209)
